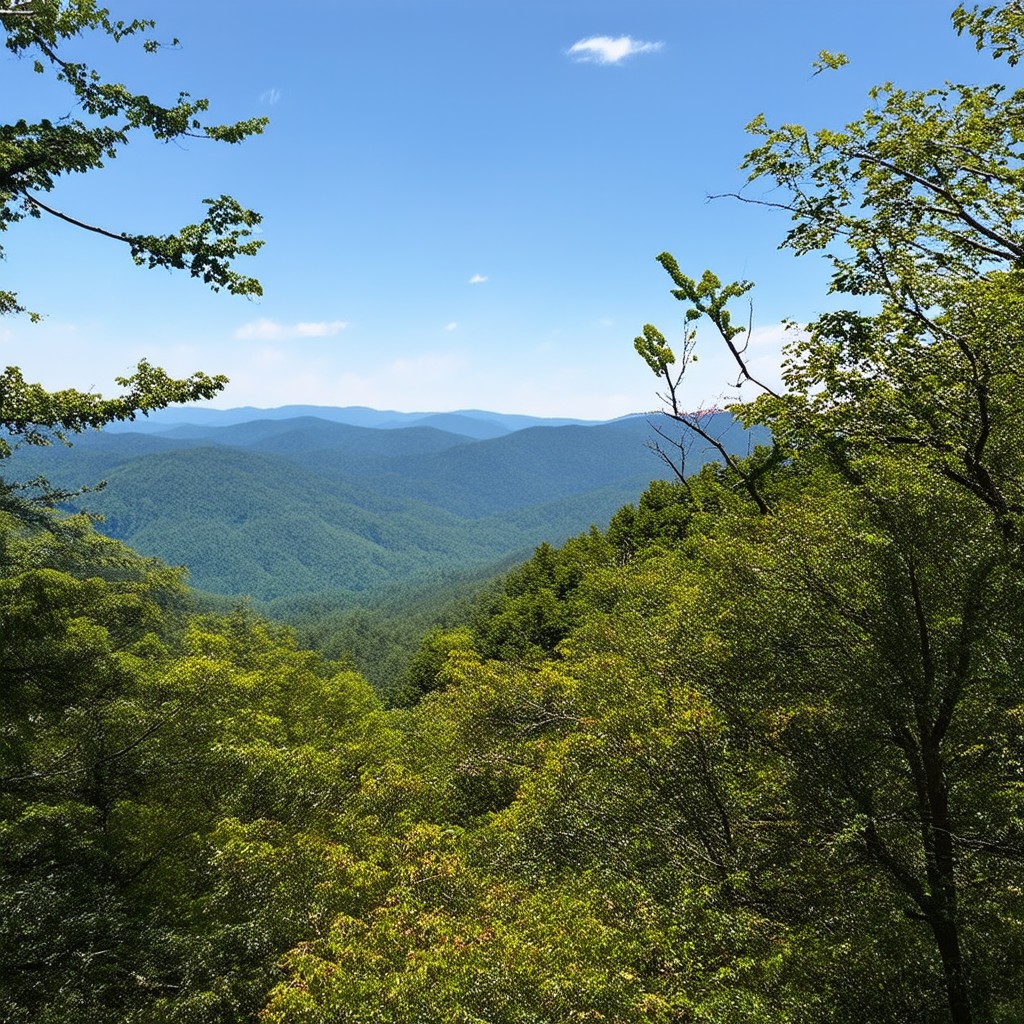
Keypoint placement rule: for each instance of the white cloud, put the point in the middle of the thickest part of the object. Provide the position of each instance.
(478, 279)
(271, 375)
(605, 50)
(773, 336)
(451, 326)
(318, 329)
(271, 330)
(271, 96)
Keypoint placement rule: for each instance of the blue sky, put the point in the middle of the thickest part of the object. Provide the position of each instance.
(462, 200)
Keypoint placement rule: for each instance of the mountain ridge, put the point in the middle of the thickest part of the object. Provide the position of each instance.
(277, 507)
(354, 415)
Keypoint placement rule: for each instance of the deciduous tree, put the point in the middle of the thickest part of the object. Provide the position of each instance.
(910, 419)
(36, 155)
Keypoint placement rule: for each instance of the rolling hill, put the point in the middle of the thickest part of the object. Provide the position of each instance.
(288, 505)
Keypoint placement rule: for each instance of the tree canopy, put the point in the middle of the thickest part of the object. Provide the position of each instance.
(34, 156)
(908, 422)
(755, 753)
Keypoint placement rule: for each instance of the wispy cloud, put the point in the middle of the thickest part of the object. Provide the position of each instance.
(270, 96)
(271, 330)
(774, 335)
(478, 279)
(606, 50)
(451, 326)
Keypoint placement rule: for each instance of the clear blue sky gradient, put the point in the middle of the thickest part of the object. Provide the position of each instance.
(418, 145)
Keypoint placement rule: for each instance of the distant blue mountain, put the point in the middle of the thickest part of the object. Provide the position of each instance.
(307, 433)
(456, 422)
(279, 505)
(475, 423)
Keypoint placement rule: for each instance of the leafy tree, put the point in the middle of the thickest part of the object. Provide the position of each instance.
(35, 156)
(457, 943)
(29, 414)
(533, 607)
(173, 794)
(919, 204)
(426, 667)
(908, 421)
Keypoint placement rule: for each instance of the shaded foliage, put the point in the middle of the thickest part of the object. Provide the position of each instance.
(755, 753)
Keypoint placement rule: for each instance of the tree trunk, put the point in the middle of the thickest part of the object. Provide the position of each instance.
(957, 993)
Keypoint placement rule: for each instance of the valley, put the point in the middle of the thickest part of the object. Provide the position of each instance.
(288, 505)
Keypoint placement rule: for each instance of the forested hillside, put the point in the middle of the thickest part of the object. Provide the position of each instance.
(276, 508)
(667, 770)
(753, 753)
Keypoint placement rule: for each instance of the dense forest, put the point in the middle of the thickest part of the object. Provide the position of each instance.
(753, 753)
(277, 509)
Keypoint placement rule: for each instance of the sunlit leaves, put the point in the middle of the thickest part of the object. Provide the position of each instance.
(174, 802)
(34, 156)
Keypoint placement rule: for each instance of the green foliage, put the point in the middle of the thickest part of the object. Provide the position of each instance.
(34, 156)
(851, 629)
(998, 27)
(38, 417)
(667, 514)
(380, 631)
(426, 671)
(754, 754)
(468, 947)
(706, 786)
(29, 414)
(172, 795)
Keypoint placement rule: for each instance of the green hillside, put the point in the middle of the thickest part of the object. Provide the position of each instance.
(249, 523)
(750, 753)
(279, 507)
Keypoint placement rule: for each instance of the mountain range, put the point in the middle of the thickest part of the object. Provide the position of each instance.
(301, 500)
(476, 423)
